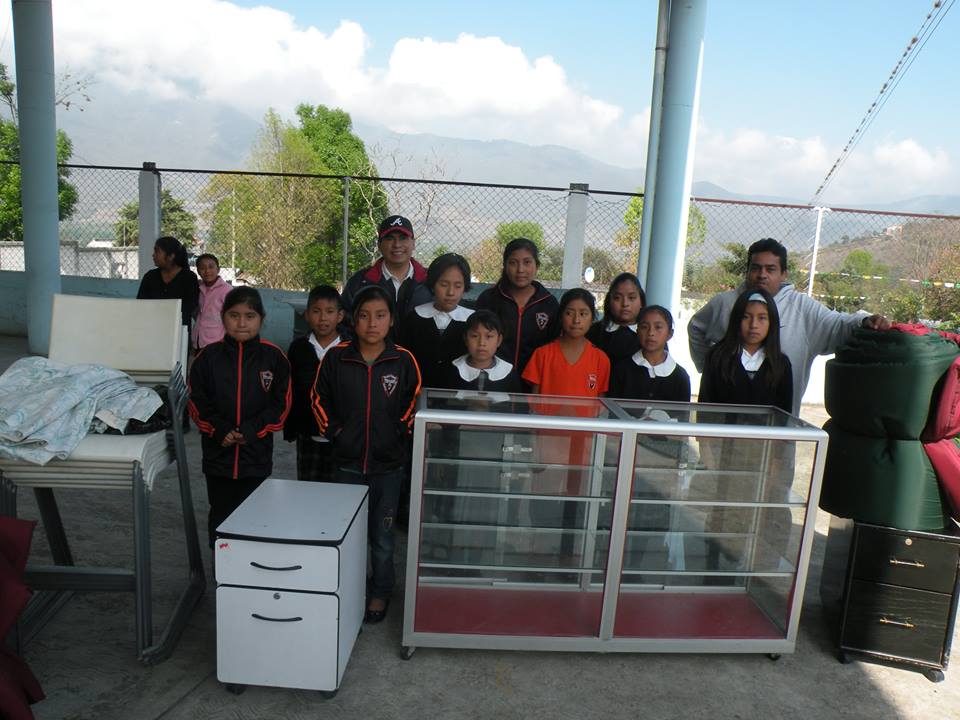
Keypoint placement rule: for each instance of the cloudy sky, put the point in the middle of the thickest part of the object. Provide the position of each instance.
(785, 83)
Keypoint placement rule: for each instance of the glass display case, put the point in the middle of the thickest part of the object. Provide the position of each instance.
(579, 524)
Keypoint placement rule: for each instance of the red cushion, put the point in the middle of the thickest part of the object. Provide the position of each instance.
(18, 687)
(15, 535)
(945, 457)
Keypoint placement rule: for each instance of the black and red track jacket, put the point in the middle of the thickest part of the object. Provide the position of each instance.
(526, 329)
(241, 386)
(366, 411)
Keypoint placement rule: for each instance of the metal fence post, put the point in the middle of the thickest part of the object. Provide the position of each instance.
(576, 230)
(346, 227)
(148, 186)
(816, 248)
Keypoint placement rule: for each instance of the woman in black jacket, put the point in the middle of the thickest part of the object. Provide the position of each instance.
(172, 278)
(527, 310)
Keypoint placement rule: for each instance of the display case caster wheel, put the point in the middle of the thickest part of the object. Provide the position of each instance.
(236, 688)
(773, 656)
(406, 652)
(933, 675)
(328, 694)
(844, 658)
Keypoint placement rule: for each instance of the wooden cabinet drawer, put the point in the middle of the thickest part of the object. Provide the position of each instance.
(278, 638)
(894, 621)
(893, 558)
(312, 568)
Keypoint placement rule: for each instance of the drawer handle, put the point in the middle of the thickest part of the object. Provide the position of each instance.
(269, 619)
(910, 563)
(267, 567)
(898, 623)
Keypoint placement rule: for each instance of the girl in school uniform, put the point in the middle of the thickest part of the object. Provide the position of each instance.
(363, 401)
(651, 373)
(571, 364)
(526, 309)
(239, 396)
(747, 367)
(480, 368)
(616, 332)
(434, 331)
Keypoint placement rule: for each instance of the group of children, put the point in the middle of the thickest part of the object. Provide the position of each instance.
(346, 392)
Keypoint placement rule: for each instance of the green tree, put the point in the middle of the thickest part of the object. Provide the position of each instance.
(486, 261)
(628, 237)
(850, 288)
(175, 220)
(340, 151)
(11, 213)
(287, 231)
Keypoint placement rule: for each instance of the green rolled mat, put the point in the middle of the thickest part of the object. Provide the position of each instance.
(882, 384)
(882, 481)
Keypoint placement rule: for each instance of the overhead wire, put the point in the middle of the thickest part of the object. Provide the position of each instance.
(917, 42)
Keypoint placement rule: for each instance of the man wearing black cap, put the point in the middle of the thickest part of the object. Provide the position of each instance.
(396, 271)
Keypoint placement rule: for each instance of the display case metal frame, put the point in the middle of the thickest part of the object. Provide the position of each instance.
(628, 428)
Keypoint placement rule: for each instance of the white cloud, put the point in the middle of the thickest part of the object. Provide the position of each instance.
(751, 161)
(470, 86)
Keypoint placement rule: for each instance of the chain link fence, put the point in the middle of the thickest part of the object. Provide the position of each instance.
(291, 231)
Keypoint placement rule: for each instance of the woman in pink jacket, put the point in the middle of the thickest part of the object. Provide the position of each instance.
(213, 289)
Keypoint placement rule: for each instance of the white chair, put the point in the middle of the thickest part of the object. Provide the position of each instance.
(145, 339)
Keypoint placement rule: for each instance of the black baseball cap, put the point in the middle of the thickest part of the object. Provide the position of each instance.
(395, 223)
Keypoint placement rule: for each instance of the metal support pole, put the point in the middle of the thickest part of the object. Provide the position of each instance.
(148, 186)
(816, 248)
(33, 40)
(574, 236)
(346, 228)
(678, 131)
(653, 138)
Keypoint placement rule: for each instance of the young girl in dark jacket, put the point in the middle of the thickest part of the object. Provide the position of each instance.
(616, 332)
(239, 396)
(747, 367)
(527, 310)
(363, 400)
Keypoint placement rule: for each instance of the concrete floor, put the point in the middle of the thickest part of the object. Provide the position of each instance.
(85, 657)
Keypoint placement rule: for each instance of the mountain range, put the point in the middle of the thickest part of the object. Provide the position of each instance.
(209, 135)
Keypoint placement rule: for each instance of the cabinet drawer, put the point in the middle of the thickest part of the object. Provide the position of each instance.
(896, 621)
(279, 638)
(898, 559)
(278, 565)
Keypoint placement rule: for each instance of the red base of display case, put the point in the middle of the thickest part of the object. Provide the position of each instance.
(575, 613)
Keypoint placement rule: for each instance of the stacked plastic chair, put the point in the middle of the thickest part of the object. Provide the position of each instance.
(883, 392)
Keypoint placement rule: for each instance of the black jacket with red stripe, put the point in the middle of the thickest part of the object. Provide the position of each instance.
(366, 411)
(523, 330)
(242, 386)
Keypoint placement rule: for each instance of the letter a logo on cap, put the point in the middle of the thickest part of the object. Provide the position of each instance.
(397, 221)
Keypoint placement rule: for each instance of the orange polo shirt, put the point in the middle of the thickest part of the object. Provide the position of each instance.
(589, 376)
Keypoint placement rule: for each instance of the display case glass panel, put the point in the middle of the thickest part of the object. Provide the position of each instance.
(584, 523)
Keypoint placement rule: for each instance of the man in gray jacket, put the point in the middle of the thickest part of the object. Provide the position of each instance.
(807, 328)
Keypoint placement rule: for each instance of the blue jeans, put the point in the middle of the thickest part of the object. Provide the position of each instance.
(383, 500)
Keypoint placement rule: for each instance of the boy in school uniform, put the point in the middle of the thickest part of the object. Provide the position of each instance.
(480, 368)
(323, 314)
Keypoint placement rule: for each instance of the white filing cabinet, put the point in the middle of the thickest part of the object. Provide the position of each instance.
(291, 579)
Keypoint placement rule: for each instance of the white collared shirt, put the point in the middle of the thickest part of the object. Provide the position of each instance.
(397, 282)
(613, 327)
(441, 317)
(662, 370)
(752, 363)
(320, 349)
(498, 371)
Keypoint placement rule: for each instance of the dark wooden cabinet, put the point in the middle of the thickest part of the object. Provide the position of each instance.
(893, 592)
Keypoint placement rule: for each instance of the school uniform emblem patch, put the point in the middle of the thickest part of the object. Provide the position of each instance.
(389, 384)
(266, 380)
(591, 381)
(542, 319)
